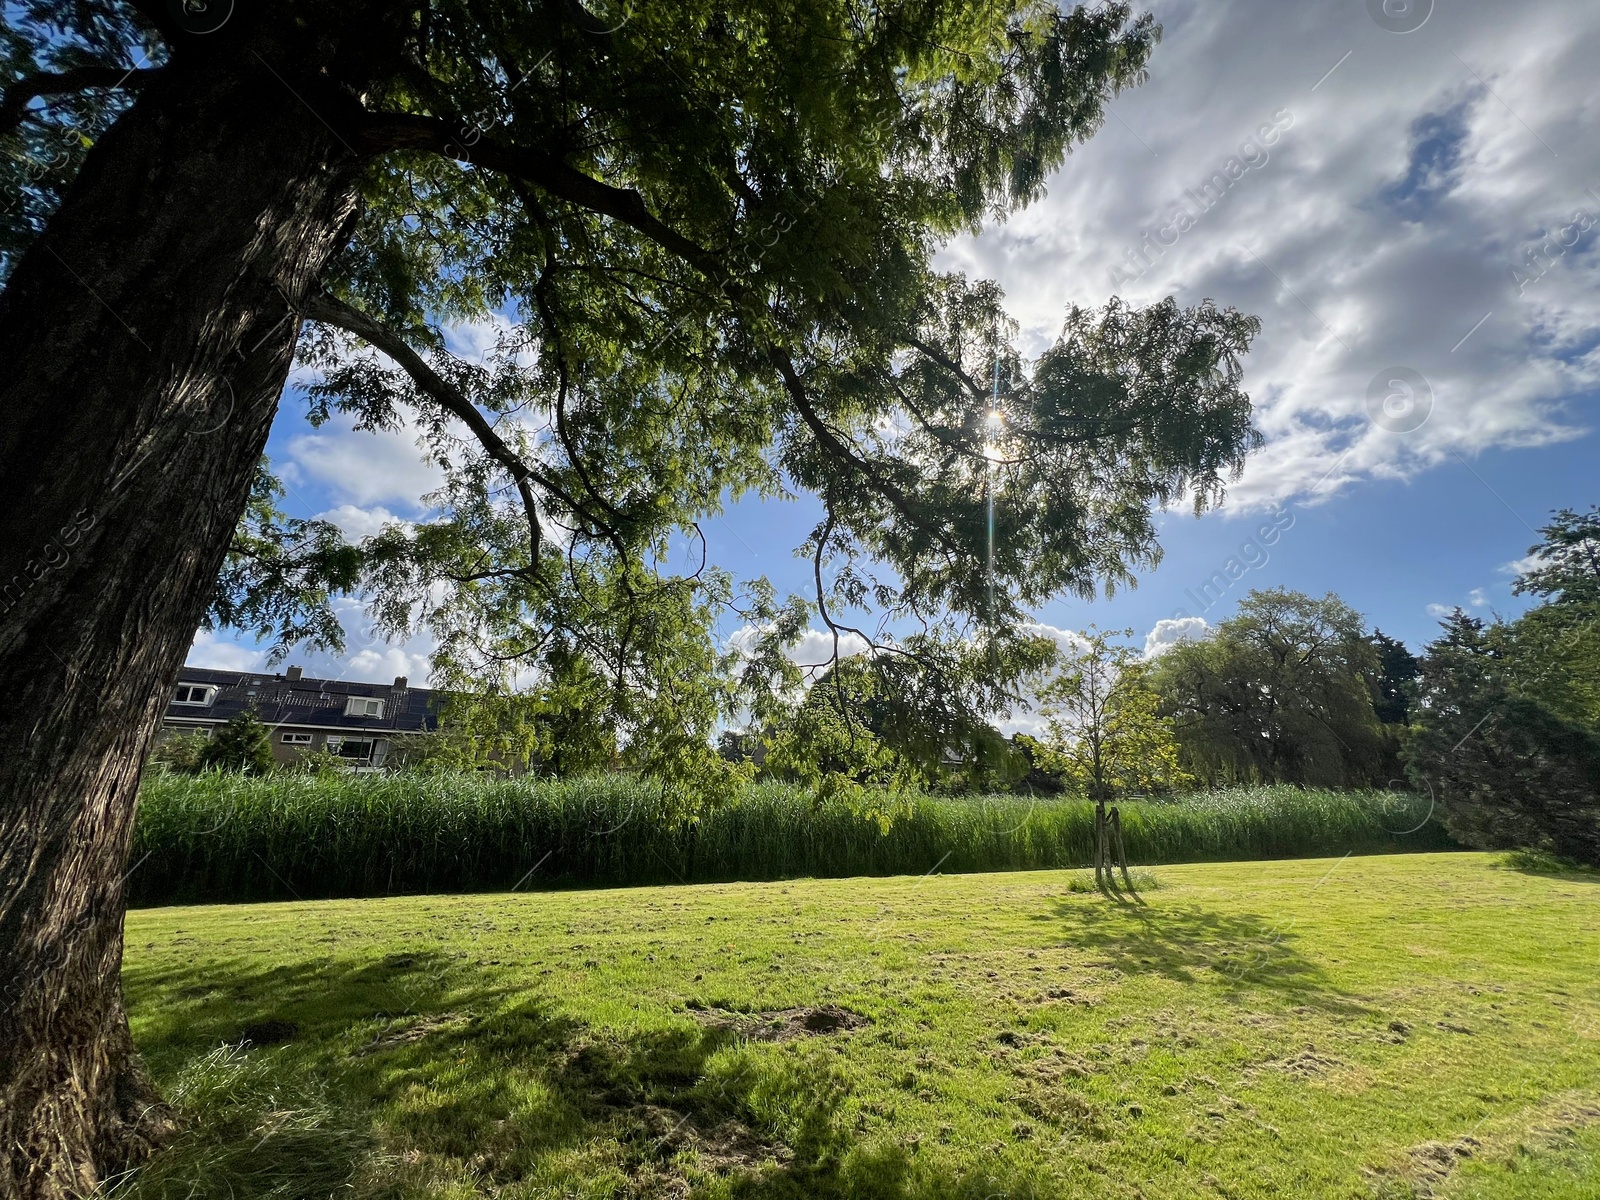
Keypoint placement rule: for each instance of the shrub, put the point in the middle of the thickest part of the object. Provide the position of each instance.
(178, 752)
(243, 744)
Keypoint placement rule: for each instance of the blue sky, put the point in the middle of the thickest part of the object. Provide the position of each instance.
(1382, 232)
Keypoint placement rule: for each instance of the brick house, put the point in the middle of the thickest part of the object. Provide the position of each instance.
(356, 721)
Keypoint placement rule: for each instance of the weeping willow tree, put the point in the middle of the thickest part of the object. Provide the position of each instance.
(704, 235)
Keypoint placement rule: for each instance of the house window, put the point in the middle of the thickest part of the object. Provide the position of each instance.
(358, 706)
(194, 693)
(297, 739)
(358, 749)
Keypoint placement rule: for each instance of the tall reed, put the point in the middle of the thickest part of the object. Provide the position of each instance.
(229, 837)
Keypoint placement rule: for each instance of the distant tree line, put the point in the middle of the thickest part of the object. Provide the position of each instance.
(1496, 723)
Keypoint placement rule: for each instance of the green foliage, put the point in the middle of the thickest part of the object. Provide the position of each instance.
(1542, 862)
(1281, 693)
(1031, 758)
(1566, 560)
(708, 236)
(241, 744)
(42, 153)
(213, 837)
(1508, 725)
(325, 762)
(281, 574)
(1551, 655)
(1105, 736)
(562, 725)
(1507, 770)
(831, 743)
(914, 715)
(1397, 669)
(178, 752)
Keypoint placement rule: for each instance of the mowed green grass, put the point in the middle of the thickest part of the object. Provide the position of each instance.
(1388, 1026)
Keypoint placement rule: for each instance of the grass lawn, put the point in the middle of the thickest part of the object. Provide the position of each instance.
(1411, 1025)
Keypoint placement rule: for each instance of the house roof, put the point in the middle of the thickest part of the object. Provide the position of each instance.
(280, 700)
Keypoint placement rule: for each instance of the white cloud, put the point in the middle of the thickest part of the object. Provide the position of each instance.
(360, 467)
(1441, 611)
(357, 523)
(221, 653)
(1522, 566)
(813, 652)
(1169, 631)
(381, 663)
(1477, 598)
(476, 341)
(1066, 640)
(1360, 245)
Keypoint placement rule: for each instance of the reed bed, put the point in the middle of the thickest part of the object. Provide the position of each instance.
(220, 838)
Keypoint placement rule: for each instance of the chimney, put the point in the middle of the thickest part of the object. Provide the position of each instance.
(292, 674)
(400, 683)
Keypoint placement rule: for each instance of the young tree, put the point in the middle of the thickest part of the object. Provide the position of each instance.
(1104, 734)
(706, 232)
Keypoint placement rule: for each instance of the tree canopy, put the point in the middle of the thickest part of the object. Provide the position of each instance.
(1506, 736)
(1283, 692)
(703, 238)
(1104, 733)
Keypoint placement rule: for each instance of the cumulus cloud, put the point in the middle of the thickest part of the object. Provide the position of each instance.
(1405, 184)
(1066, 640)
(1522, 566)
(381, 663)
(357, 523)
(1441, 611)
(813, 652)
(221, 652)
(1169, 631)
(362, 467)
(477, 341)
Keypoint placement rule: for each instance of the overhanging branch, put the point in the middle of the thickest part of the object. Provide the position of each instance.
(404, 131)
(330, 311)
(14, 103)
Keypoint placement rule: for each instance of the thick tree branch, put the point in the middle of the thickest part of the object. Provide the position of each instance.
(836, 448)
(404, 131)
(14, 103)
(330, 311)
(936, 355)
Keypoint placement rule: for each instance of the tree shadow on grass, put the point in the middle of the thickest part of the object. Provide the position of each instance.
(398, 1076)
(1551, 866)
(1190, 944)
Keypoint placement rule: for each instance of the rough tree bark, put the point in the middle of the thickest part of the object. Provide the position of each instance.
(145, 339)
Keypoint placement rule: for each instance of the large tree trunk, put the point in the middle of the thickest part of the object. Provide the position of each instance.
(144, 340)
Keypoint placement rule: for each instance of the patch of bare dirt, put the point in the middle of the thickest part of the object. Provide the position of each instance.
(267, 1033)
(781, 1025)
(724, 1147)
(1426, 1166)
